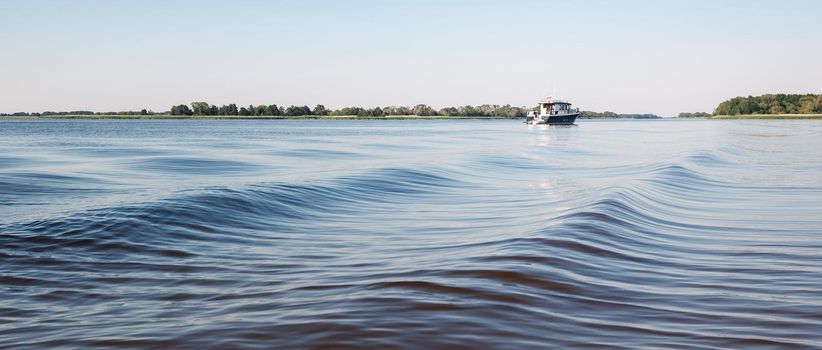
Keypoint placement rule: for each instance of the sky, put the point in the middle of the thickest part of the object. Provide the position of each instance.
(661, 57)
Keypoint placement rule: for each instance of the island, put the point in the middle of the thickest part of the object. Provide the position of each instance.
(771, 106)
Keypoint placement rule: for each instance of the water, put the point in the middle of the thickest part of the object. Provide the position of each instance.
(410, 234)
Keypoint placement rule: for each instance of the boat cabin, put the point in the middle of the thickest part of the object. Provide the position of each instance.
(550, 106)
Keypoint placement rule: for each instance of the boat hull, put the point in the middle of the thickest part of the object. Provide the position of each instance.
(562, 119)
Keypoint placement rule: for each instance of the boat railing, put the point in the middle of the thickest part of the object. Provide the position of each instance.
(564, 111)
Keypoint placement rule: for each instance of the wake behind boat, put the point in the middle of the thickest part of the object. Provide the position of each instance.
(553, 112)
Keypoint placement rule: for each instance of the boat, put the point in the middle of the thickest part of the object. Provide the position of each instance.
(553, 112)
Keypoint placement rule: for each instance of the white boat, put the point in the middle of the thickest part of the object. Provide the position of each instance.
(553, 112)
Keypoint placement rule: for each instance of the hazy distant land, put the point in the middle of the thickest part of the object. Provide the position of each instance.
(253, 117)
(769, 106)
(203, 110)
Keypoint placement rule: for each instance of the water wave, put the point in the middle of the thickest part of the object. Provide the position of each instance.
(511, 250)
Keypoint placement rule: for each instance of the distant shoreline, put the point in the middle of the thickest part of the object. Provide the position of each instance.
(281, 117)
(389, 117)
(262, 117)
(768, 116)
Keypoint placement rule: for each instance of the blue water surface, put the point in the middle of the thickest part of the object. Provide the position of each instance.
(483, 234)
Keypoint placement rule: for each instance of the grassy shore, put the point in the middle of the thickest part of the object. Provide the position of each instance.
(769, 116)
(231, 117)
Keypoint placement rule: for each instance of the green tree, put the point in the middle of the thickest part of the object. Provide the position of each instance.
(396, 110)
(776, 109)
(468, 111)
(723, 108)
(806, 104)
(320, 110)
(423, 110)
(348, 111)
(181, 110)
(230, 109)
(449, 112)
(272, 110)
(199, 108)
(297, 111)
(259, 110)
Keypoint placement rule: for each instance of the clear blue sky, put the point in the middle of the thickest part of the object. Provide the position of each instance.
(659, 57)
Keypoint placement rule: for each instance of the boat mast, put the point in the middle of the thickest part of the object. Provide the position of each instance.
(555, 89)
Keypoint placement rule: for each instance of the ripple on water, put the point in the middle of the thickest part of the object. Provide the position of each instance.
(191, 166)
(405, 248)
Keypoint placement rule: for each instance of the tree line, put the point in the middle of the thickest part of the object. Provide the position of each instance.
(49, 113)
(486, 110)
(206, 109)
(693, 115)
(610, 115)
(771, 104)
